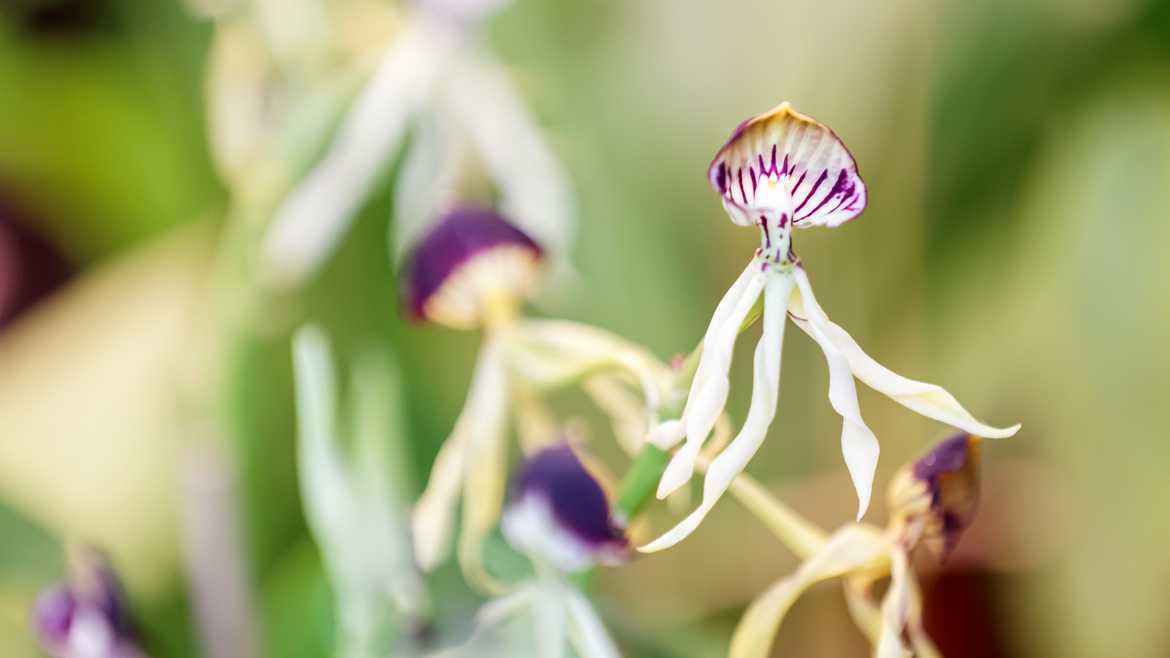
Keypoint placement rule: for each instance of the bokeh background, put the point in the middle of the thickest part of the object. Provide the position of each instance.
(1016, 250)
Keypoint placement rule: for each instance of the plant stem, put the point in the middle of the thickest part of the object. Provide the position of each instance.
(640, 482)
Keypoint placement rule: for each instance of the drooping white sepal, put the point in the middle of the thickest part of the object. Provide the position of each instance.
(477, 432)
(765, 393)
(859, 446)
(926, 399)
(710, 388)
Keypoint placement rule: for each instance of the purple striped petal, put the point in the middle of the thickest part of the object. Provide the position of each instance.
(785, 162)
(560, 514)
(942, 487)
(471, 255)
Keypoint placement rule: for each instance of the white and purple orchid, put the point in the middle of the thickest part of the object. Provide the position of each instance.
(473, 271)
(440, 85)
(778, 171)
(558, 515)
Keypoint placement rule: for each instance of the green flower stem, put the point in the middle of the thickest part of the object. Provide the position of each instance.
(640, 482)
(801, 536)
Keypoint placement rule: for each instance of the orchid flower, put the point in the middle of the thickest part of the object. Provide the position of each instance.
(933, 501)
(559, 517)
(87, 616)
(473, 271)
(439, 84)
(778, 171)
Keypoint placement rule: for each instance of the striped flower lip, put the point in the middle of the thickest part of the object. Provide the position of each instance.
(558, 513)
(943, 487)
(789, 164)
(472, 259)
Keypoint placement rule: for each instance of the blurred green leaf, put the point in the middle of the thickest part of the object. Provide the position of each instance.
(29, 554)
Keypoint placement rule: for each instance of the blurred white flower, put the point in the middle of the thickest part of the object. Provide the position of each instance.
(474, 270)
(438, 83)
(781, 170)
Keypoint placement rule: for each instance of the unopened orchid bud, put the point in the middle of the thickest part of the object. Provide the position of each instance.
(472, 265)
(558, 514)
(941, 490)
(86, 617)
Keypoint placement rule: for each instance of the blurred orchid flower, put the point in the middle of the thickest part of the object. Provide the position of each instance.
(87, 616)
(933, 501)
(559, 517)
(437, 78)
(474, 270)
(778, 171)
(355, 504)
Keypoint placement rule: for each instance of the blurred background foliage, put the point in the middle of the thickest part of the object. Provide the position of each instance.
(1015, 250)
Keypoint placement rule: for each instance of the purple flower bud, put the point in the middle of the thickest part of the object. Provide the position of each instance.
(941, 488)
(86, 617)
(559, 514)
(471, 260)
(53, 615)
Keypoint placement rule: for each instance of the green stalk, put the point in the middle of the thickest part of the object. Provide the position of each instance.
(640, 482)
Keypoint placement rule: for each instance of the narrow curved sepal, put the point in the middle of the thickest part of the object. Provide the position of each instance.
(852, 549)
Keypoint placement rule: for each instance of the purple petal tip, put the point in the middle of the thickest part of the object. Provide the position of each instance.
(950, 473)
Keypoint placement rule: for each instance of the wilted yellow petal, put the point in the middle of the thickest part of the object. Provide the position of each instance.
(854, 548)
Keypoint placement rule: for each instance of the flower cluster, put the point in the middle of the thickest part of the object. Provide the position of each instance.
(474, 269)
(476, 259)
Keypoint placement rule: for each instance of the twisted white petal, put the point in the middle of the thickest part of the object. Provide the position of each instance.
(765, 393)
(709, 389)
(477, 432)
(485, 472)
(858, 443)
(927, 399)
